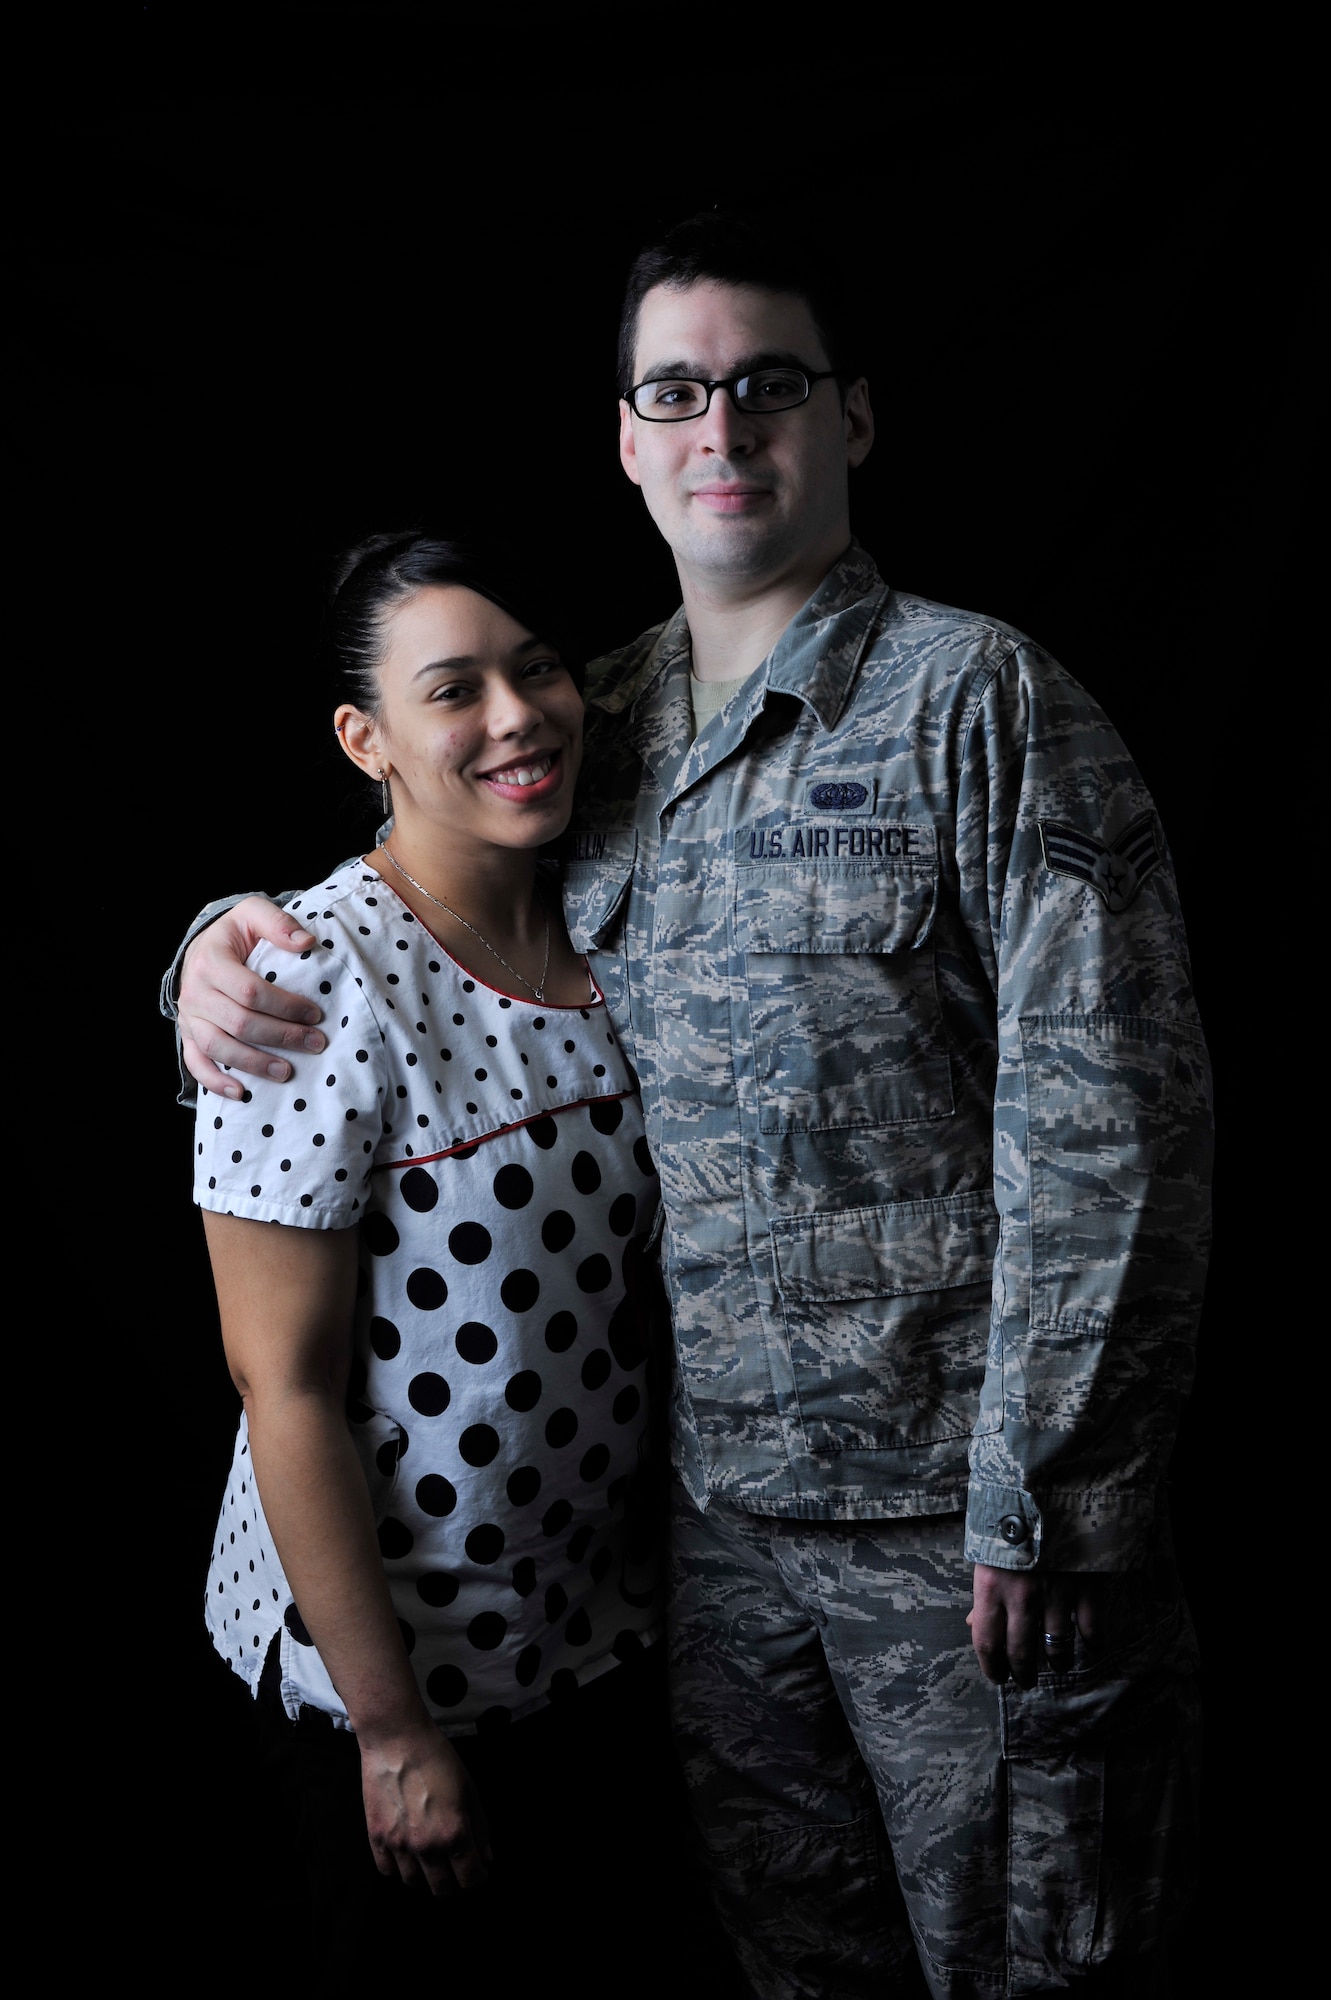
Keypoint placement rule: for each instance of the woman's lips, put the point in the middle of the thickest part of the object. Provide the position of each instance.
(528, 778)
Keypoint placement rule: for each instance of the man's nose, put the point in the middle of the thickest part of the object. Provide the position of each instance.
(725, 428)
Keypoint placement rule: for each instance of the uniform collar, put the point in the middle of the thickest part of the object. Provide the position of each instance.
(814, 659)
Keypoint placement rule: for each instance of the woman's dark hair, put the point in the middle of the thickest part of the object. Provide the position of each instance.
(372, 580)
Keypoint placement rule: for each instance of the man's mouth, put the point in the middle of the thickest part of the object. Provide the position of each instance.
(734, 499)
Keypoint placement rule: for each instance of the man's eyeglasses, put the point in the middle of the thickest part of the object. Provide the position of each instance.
(764, 393)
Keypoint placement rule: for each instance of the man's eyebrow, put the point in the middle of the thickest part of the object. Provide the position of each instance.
(460, 662)
(770, 357)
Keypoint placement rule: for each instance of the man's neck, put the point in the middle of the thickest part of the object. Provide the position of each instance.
(732, 628)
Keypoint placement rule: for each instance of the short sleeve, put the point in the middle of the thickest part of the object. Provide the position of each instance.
(300, 1152)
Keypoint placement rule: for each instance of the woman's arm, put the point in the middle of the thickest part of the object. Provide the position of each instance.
(286, 1297)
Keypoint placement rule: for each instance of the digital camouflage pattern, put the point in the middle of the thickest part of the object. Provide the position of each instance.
(1015, 1841)
(895, 947)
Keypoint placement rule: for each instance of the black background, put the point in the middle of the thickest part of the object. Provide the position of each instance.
(306, 273)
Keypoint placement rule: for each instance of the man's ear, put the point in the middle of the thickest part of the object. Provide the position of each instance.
(359, 737)
(628, 444)
(859, 422)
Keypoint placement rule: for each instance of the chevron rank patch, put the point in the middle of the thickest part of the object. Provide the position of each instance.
(1116, 873)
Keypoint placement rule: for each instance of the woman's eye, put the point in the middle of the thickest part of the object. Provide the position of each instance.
(545, 666)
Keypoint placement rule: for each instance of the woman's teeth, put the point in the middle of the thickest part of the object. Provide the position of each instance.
(526, 774)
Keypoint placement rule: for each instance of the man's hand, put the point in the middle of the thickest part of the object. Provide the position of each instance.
(228, 1014)
(1025, 1620)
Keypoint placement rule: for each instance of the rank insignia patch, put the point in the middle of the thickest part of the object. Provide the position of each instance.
(1116, 873)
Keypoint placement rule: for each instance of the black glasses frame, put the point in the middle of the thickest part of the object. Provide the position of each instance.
(730, 383)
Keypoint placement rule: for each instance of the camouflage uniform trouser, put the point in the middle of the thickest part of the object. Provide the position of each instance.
(871, 1805)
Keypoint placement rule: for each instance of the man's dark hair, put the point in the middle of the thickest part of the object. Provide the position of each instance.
(729, 248)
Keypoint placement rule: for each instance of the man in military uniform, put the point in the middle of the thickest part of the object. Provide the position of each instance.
(886, 920)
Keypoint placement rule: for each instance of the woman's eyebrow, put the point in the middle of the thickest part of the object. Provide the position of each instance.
(459, 662)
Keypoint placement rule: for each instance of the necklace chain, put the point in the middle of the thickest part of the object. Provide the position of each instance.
(439, 902)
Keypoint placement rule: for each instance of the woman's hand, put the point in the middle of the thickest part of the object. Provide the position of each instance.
(228, 1014)
(424, 1817)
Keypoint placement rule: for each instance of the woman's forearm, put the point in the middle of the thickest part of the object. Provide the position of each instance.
(318, 1508)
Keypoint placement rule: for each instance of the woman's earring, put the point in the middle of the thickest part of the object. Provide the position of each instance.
(384, 793)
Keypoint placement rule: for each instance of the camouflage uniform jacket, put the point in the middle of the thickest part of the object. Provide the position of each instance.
(896, 949)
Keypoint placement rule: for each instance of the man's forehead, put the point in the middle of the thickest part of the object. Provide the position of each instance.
(718, 326)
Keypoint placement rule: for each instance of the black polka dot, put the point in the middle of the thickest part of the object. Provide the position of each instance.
(556, 1602)
(384, 1338)
(475, 1343)
(556, 1517)
(378, 1235)
(513, 1187)
(523, 1485)
(520, 1290)
(295, 1625)
(395, 1539)
(469, 1242)
(486, 1631)
(557, 1231)
(478, 1444)
(606, 1115)
(560, 1332)
(542, 1132)
(596, 1369)
(426, 1289)
(429, 1394)
(642, 1155)
(628, 1335)
(420, 1191)
(594, 1273)
(578, 1544)
(436, 1496)
(524, 1390)
(527, 1666)
(408, 1635)
(437, 1587)
(623, 1214)
(579, 1629)
(586, 1174)
(388, 1454)
(563, 1685)
(561, 1427)
(524, 1576)
(446, 1686)
(625, 1406)
(594, 1463)
(485, 1543)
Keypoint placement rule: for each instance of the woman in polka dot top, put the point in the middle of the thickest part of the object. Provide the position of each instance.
(440, 1347)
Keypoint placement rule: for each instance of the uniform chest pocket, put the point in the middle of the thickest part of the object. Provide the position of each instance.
(843, 1006)
(595, 881)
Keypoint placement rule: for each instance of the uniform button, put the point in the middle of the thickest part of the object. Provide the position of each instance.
(1013, 1530)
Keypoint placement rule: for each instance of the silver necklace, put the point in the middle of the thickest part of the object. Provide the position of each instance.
(539, 990)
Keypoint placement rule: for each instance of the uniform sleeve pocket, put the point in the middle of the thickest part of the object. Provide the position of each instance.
(840, 984)
(1117, 1114)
